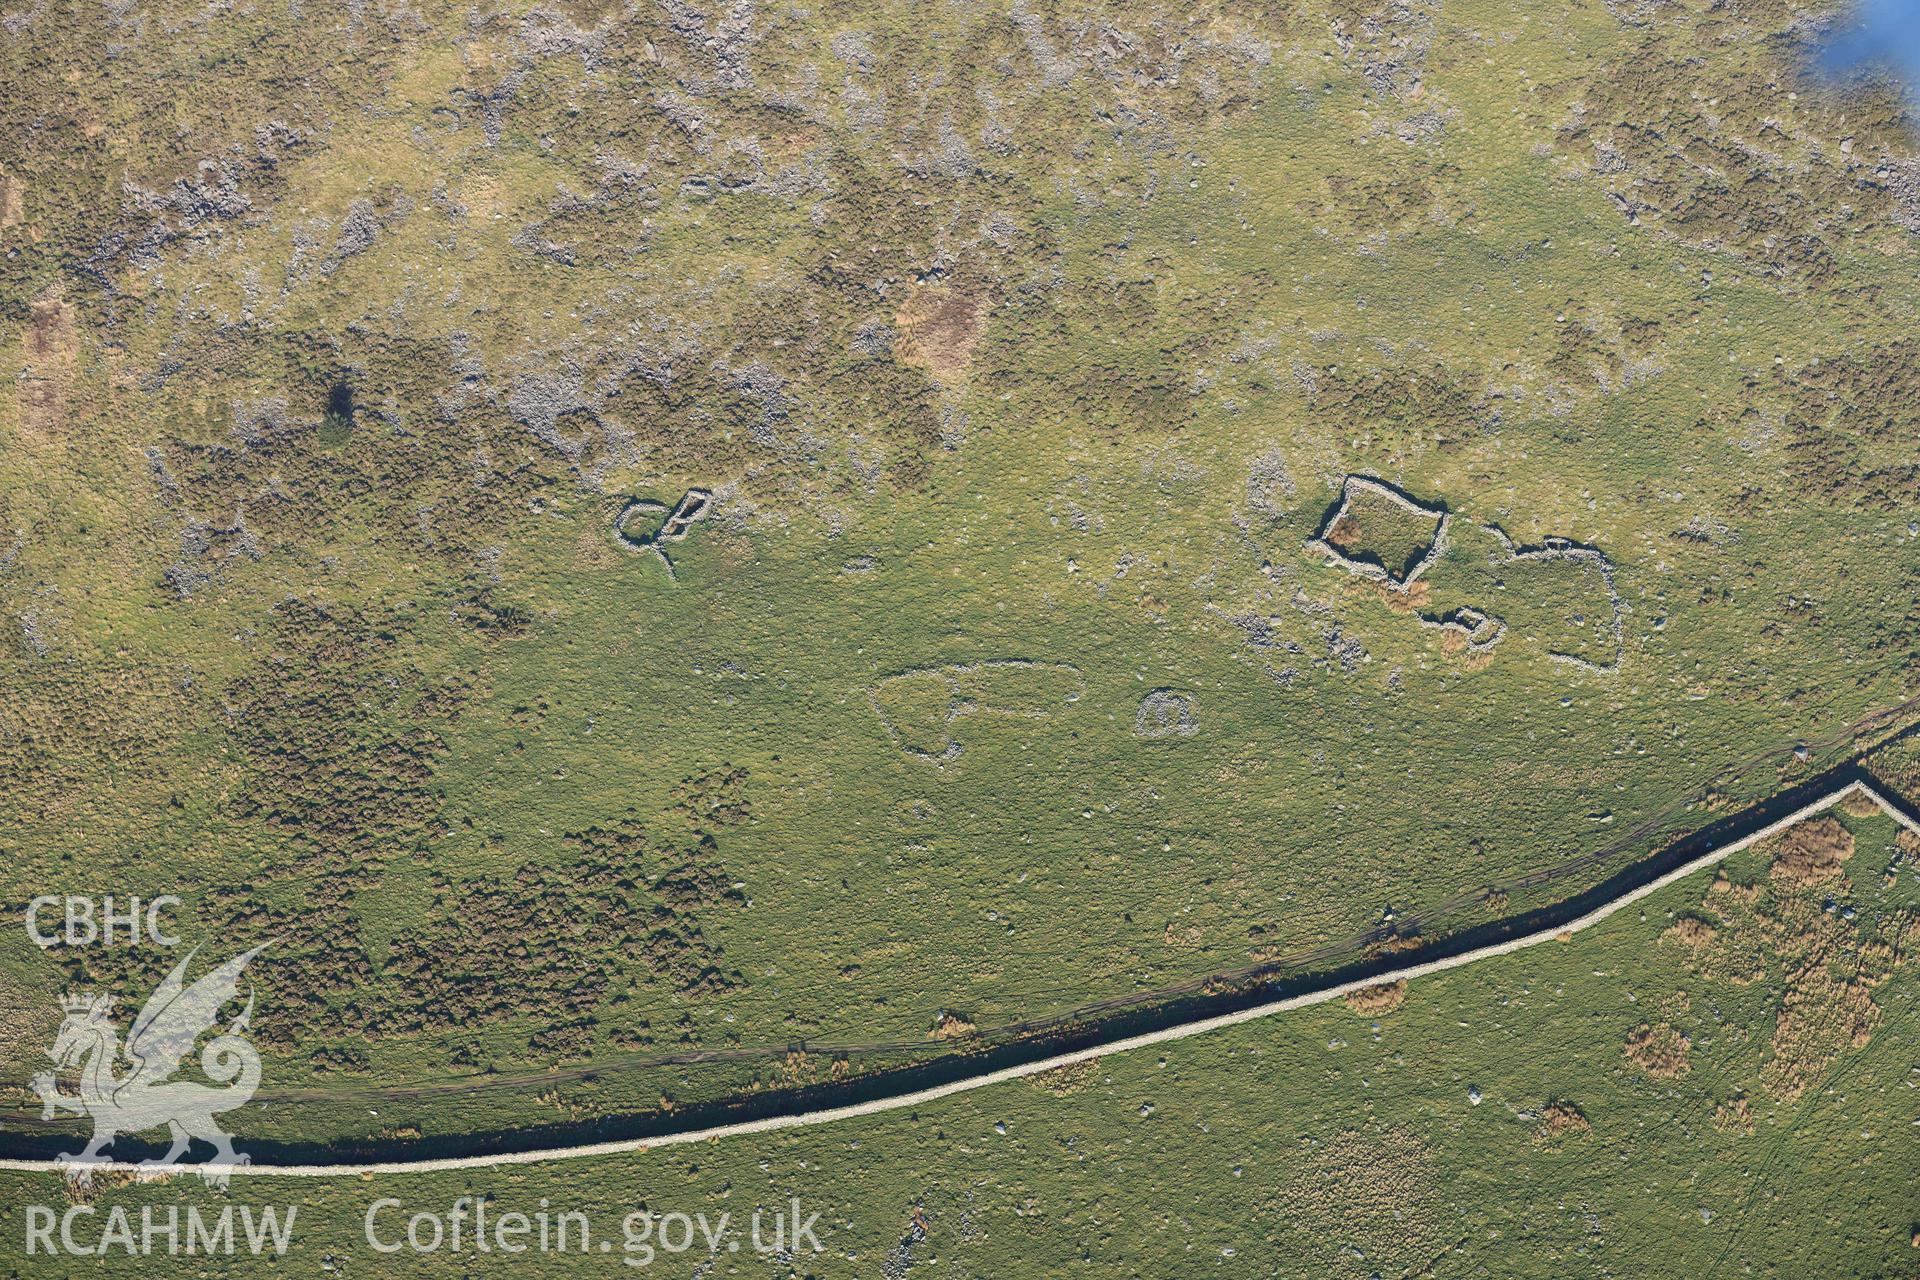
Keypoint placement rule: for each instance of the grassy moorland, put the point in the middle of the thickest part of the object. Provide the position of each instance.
(1720, 1085)
(1023, 353)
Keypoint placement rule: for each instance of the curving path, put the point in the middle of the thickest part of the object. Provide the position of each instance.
(1851, 783)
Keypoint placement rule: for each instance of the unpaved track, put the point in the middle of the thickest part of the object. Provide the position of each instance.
(1425, 920)
(1163, 1035)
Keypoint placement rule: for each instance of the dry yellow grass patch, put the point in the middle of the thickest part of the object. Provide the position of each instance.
(1392, 945)
(951, 1026)
(1857, 805)
(1478, 660)
(1742, 894)
(1735, 1115)
(1185, 936)
(1790, 926)
(1820, 1016)
(1660, 1050)
(78, 1192)
(1405, 599)
(940, 326)
(1691, 932)
(1373, 1001)
(1811, 852)
(1561, 1120)
(1070, 1079)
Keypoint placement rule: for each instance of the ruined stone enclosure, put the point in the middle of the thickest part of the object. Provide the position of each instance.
(1166, 713)
(694, 505)
(1377, 531)
(920, 709)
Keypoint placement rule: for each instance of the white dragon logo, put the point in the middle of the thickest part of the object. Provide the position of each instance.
(173, 1019)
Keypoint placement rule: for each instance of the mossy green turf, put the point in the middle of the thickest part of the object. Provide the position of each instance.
(1457, 313)
(1322, 1143)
